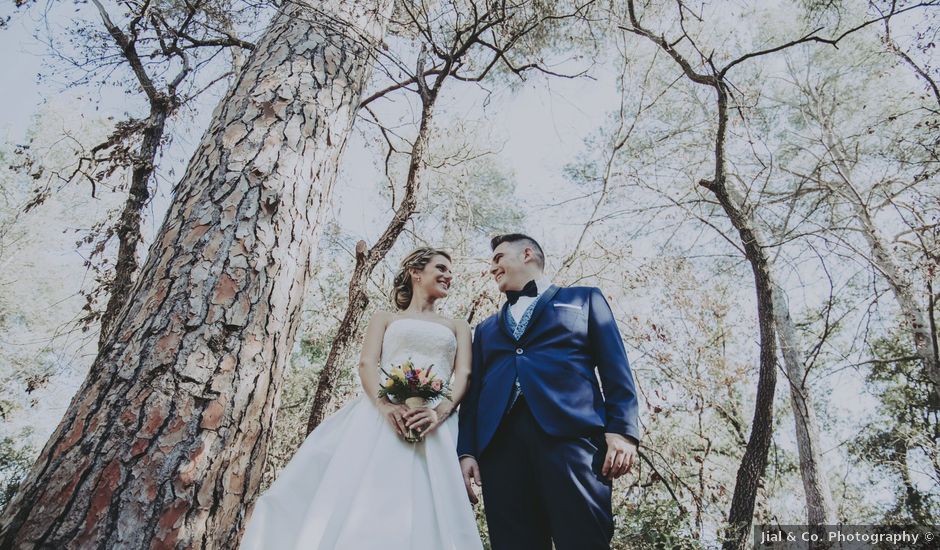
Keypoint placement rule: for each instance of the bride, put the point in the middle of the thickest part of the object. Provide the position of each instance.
(355, 484)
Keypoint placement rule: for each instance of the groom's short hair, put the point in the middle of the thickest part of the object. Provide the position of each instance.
(519, 237)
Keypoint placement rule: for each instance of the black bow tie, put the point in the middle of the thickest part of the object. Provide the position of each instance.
(528, 290)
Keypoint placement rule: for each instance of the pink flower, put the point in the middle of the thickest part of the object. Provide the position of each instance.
(436, 384)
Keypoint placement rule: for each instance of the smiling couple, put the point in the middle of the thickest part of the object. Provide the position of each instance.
(547, 418)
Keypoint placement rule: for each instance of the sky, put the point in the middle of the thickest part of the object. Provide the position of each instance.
(538, 128)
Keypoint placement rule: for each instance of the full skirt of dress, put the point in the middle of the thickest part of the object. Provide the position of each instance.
(355, 485)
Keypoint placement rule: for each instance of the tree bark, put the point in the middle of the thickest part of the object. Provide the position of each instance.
(164, 444)
(128, 226)
(163, 103)
(820, 509)
(754, 462)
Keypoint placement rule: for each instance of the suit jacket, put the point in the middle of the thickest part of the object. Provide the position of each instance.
(571, 332)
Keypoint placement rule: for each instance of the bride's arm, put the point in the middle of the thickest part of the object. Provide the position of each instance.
(461, 371)
(371, 354)
(369, 360)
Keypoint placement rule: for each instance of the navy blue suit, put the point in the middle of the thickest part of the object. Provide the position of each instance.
(540, 459)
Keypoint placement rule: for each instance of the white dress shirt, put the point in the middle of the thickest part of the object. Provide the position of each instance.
(518, 309)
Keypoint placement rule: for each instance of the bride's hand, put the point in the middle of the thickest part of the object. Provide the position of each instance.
(394, 413)
(423, 419)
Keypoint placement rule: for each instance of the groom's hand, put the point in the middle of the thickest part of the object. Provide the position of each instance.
(471, 474)
(621, 453)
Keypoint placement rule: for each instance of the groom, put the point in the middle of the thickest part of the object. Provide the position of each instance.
(535, 423)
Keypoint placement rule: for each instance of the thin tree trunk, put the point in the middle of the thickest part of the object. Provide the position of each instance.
(818, 495)
(772, 309)
(365, 264)
(882, 258)
(913, 499)
(754, 462)
(820, 509)
(772, 313)
(468, 33)
(164, 444)
(128, 227)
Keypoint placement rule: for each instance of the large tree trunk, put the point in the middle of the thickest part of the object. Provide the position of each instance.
(366, 261)
(164, 444)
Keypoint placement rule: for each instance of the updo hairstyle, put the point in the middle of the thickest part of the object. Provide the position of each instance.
(417, 260)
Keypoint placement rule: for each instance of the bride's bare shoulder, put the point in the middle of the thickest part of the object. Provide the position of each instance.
(457, 325)
(382, 317)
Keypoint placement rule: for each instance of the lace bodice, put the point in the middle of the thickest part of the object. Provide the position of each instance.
(424, 342)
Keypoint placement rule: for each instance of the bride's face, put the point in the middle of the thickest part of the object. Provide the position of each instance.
(435, 278)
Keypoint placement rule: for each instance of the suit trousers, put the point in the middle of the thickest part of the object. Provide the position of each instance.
(539, 489)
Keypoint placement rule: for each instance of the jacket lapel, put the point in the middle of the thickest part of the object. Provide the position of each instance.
(543, 301)
(503, 325)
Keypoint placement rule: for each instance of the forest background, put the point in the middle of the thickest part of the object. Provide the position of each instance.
(754, 185)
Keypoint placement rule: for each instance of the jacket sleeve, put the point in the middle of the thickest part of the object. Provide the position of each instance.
(610, 357)
(467, 422)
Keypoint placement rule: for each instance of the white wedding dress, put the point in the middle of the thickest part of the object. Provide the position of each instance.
(354, 484)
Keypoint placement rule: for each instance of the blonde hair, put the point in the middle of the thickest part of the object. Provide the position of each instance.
(417, 259)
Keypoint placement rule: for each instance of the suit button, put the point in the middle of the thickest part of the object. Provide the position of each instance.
(518, 351)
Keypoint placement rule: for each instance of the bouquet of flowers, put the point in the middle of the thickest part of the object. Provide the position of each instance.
(414, 387)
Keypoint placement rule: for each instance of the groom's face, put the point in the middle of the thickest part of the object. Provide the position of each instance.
(509, 267)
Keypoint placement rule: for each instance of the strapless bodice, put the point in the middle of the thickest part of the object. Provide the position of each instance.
(425, 343)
